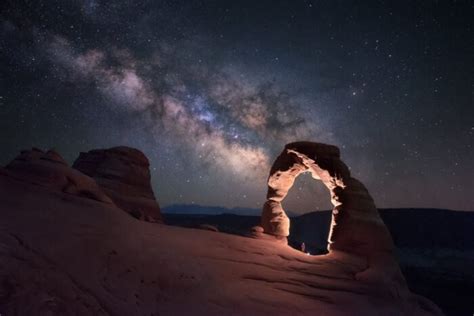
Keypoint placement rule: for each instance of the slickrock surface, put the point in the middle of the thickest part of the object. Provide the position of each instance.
(124, 175)
(63, 254)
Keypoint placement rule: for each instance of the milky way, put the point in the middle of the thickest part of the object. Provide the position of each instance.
(211, 92)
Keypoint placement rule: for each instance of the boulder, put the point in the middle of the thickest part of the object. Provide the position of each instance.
(209, 227)
(123, 174)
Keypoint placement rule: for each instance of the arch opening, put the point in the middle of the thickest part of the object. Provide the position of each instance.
(308, 207)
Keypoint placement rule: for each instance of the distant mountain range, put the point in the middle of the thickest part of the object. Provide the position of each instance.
(410, 227)
(213, 210)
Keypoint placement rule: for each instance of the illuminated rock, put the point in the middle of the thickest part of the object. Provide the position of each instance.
(356, 225)
(67, 255)
(124, 175)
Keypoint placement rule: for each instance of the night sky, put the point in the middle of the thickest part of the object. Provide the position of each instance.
(211, 91)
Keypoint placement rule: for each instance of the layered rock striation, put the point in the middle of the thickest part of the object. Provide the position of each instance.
(123, 174)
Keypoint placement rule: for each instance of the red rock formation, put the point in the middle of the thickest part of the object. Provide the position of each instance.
(50, 170)
(123, 173)
(356, 227)
(66, 257)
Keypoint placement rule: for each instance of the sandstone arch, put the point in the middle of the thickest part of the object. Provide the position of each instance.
(356, 226)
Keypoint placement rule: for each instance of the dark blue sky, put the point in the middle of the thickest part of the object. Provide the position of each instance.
(212, 90)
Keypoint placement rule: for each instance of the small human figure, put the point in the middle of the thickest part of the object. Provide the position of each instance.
(303, 247)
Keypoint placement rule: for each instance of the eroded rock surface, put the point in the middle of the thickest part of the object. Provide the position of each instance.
(356, 226)
(124, 175)
(73, 256)
(50, 170)
(66, 255)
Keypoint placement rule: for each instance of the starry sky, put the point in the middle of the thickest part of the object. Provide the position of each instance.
(211, 91)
